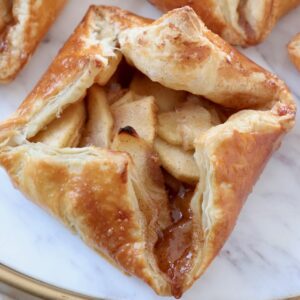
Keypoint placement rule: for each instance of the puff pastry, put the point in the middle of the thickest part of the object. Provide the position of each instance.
(159, 207)
(294, 51)
(23, 23)
(240, 22)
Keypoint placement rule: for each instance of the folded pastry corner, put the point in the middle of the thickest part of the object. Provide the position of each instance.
(23, 23)
(145, 138)
(242, 22)
(294, 51)
(181, 45)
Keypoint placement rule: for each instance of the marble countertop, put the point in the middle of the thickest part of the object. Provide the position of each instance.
(260, 261)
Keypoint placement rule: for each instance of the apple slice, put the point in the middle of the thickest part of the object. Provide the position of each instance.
(140, 115)
(98, 131)
(216, 111)
(182, 126)
(127, 98)
(166, 99)
(148, 179)
(65, 131)
(179, 163)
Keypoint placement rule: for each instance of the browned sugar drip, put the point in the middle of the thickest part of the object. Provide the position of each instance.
(173, 248)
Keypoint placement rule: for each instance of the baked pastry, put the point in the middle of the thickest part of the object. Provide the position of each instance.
(119, 141)
(240, 22)
(294, 50)
(23, 23)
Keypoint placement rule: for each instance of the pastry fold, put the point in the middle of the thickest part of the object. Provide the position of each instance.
(294, 51)
(23, 23)
(239, 22)
(111, 189)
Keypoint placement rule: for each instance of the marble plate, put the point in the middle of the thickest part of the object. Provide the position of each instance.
(261, 260)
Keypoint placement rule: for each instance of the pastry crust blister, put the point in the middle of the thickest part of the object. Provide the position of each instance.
(23, 23)
(240, 22)
(120, 141)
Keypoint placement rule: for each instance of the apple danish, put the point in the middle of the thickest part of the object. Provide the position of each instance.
(145, 138)
(294, 51)
(240, 22)
(23, 23)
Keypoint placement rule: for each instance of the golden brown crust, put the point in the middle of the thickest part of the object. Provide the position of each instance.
(26, 24)
(74, 69)
(241, 22)
(231, 157)
(121, 234)
(294, 51)
(91, 191)
(116, 200)
(181, 45)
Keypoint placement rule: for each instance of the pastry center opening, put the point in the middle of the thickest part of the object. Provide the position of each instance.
(158, 128)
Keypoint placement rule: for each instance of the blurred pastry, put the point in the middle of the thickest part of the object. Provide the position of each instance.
(239, 22)
(23, 23)
(294, 50)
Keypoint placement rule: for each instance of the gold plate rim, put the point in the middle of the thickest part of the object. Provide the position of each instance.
(35, 287)
(38, 288)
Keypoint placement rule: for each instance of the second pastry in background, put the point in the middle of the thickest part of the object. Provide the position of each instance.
(23, 23)
(240, 22)
(294, 51)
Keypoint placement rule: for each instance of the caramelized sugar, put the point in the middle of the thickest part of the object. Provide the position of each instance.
(173, 248)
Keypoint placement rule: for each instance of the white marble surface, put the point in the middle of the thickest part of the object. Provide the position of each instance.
(260, 261)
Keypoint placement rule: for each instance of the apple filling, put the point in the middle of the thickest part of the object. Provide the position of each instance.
(174, 246)
(157, 127)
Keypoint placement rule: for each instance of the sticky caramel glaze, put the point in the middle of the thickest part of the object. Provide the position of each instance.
(173, 248)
